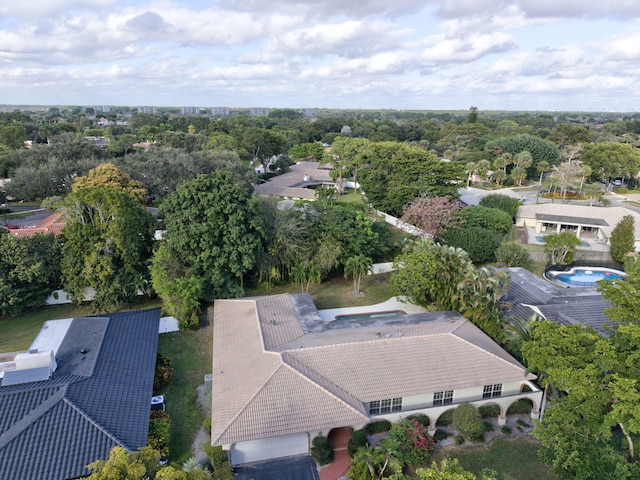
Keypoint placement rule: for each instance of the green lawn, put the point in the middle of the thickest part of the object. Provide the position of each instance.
(191, 354)
(337, 291)
(350, 197)
(513, 459)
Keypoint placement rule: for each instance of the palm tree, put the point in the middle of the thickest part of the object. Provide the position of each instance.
(357, 266)
(543, 167)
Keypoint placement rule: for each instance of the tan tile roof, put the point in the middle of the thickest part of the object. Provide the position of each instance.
(270, 378)
(50, 224)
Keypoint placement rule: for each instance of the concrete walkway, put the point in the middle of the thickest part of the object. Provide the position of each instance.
(394, 303)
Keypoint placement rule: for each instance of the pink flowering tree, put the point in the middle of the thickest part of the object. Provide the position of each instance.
(413, 443)
(433, 215)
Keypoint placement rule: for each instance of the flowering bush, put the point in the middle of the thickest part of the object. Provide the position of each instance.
(413, 442)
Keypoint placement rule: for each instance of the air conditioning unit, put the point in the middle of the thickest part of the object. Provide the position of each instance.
(157, 403)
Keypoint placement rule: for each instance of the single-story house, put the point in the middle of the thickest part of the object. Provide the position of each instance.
(51, 224)
(298, 183)
(530, 295)
(282, 375)
(588, 223)
(83, 387)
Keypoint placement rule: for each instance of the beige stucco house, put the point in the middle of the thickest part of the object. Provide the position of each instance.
(282, 375)
(593, 224)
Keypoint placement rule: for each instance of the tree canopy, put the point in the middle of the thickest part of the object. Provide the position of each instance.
(107, 242)
(214, 234)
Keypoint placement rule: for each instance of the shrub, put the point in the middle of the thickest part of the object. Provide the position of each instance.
(620, 190)
(163, 372)
(487, 427)
(459, 439)
(440, 434)
(421, 419)
(489, 411)
(207, 425)
(377, 427)
(445, 419)
(414, 445)
(503, 202)
(511, 254)
(479, 243)
(321, 451)
(467, 421)
(506, 430)
(622, 239)
(358, 439)
(159, 432)
(522, 423)
(521, 406)
(216, 455)
(493, 219)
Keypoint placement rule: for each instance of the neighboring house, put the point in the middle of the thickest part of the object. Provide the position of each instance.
(84, 386)
(51, 224)
(282, 375)
(298, 183)
(587, 223)
(529, 294)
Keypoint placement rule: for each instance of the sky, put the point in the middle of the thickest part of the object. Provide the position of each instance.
(544, 55)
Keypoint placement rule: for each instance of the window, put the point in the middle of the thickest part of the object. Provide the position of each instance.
(378, 407)
(491, 391)
(443, 398)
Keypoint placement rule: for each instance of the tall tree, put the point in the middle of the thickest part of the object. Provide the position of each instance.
(214, 232)
(432, 215)
(108, 175)
(107, 242)
(611, 159)
(623, 238)
(29, 270)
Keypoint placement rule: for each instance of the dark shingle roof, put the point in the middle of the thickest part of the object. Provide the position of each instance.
(94, 401)
(529, 294)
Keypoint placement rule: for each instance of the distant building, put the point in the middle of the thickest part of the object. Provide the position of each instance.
(101, 142)
(220, 111)
(308, 112)
(101, 108)
(150, 110)
(259, 112)
(190, 110)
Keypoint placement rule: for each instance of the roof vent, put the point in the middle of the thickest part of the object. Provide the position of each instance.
(273, 322)
(33, 350)
(83, 351)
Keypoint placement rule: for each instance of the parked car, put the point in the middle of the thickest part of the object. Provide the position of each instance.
(617, 182)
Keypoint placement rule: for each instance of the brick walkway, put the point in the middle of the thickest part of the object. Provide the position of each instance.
(338, 439)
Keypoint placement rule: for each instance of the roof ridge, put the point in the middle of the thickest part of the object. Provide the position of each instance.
(25, 422)
(250, 400)
(97, 425)
(478, 347)
(317, 385)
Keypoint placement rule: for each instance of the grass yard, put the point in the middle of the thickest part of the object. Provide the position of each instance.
(337, 291)
(513, 459)
(349, 196)
(191, 354)
(17, 333)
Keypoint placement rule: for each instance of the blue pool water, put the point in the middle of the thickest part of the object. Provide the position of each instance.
(367, 316)
(586, 277)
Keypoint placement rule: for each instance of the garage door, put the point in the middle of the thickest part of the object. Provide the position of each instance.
(268, 448)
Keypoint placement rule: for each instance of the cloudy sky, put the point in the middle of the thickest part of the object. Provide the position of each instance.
(579, 55)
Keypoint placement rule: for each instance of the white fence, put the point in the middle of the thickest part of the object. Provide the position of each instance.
(405, 227)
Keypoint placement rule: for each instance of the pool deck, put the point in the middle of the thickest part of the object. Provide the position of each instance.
(394, 303)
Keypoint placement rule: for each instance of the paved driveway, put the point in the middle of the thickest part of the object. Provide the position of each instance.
(295, 468)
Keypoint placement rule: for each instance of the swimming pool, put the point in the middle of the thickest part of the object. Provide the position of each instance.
(584, 276)
(370, 315)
